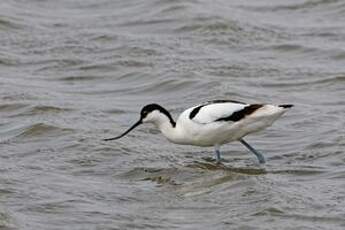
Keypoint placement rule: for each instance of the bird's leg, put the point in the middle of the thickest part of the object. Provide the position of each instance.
(217, 151)
(257, 154)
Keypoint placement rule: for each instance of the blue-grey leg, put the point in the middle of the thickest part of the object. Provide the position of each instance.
(260, 157)
(217, 151)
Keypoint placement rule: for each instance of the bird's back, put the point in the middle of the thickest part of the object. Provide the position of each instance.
(218, 123)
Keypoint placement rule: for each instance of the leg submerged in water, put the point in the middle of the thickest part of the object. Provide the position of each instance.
(217, 152)
(260, 157)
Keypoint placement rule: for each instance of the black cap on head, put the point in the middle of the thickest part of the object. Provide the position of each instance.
(155, 107)
(149, 108)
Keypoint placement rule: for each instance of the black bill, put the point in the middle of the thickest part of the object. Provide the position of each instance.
(130, 129)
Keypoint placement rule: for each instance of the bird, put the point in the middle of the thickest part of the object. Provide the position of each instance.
(213, 123)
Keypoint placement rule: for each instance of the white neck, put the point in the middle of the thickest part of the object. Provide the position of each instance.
(171, 132)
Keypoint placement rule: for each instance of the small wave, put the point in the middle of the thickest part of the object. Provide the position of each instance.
(115, 111)
(147, 22)
(41, 129)
(158, 175)
(210, 26)
(167, 86)
(192, 177)
(79, 78)
(303, 82)
(46, 109)
(6, 221)
(10, 131)
(131, 63)
(25, 110)
(339, 174)
(57, 64)
(6, 24)
(11, 107)
(291, 6)
(269, 211)
(293, 48)
(240, 170)
(173, 9)
(8, 61)
(104, 38)
(339, 56)
(150, 88)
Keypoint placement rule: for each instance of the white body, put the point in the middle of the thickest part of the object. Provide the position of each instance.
(205, 130)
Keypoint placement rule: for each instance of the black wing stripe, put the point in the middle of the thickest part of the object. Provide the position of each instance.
(195, 111)
(286, 106)
(236, 116)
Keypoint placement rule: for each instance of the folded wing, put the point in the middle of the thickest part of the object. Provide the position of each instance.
(221, 111)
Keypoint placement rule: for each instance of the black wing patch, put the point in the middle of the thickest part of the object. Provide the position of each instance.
(195, 111)
(286, 106)
(236, 116)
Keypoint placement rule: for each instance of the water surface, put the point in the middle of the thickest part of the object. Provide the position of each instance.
(74, 72)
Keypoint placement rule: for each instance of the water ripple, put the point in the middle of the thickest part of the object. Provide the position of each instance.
(74, 72)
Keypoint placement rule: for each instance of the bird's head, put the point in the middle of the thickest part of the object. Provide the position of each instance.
(151, 113)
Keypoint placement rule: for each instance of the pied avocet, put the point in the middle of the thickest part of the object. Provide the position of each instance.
(213, 123)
